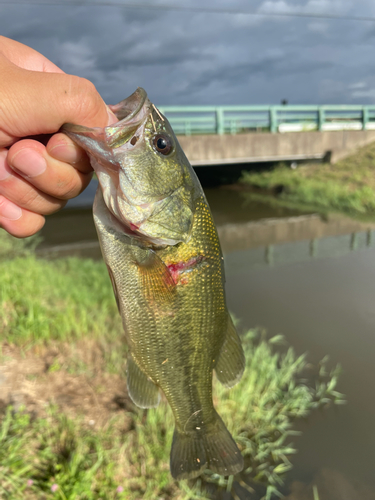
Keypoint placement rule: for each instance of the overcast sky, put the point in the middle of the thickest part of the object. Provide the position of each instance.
(193, 57)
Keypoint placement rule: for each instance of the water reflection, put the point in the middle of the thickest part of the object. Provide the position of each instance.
(238, 261)
(324, 307)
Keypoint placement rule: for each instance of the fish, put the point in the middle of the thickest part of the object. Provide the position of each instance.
(161, 247)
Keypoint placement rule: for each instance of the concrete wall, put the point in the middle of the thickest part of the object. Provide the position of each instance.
(243, 148)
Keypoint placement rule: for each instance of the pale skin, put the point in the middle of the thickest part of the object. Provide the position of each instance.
(37, 97)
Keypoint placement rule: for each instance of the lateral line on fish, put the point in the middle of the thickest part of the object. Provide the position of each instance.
(158, 112)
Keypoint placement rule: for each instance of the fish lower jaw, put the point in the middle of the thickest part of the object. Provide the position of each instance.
(159, 242)
(135, 231)
(140, 229)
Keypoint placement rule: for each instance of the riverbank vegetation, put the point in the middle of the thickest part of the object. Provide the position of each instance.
(347, 186)
(67, 428)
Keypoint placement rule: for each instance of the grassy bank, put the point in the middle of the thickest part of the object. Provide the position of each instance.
(347, 186)
(58, 300)
(67, 428)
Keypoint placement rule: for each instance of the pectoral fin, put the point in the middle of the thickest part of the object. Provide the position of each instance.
(157, 281)
(143, 392)
(231, 362)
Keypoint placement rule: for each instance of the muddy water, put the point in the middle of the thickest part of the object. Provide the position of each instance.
(312, 280)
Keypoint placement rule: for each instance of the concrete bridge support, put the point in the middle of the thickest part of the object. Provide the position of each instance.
(261, 147)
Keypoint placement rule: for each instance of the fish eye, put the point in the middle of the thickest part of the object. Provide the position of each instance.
(163, 144)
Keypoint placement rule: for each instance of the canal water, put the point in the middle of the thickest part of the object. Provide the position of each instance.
(311, 279)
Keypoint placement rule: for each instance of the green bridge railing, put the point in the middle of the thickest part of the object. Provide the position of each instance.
(188, 120)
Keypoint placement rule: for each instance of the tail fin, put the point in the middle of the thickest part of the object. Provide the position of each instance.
(210, 448)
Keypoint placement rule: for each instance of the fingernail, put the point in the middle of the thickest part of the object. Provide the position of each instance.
(9, 210)
(112, 118)
(67, 153)
(28, 163)
(4, 169)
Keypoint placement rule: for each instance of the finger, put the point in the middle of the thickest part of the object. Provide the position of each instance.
(17, 190)
(40, 103)
(62, 148)
(31, 161)
(19, 222)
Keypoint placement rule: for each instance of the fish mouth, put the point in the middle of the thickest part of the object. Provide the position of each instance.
(131, 106)
(132, 114)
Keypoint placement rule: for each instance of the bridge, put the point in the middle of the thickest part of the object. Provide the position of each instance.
(213, 135)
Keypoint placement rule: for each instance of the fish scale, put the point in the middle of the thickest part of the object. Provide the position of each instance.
(162, 251)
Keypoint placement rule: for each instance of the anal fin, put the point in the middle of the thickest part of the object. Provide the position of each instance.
(231, 362)
(143, 392)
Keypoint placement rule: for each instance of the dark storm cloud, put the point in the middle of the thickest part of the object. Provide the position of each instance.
(241, 76)
(200, 58)
(280, 65)
(129, 54)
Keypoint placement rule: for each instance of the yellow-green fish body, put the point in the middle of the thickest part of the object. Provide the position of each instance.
(163, 255)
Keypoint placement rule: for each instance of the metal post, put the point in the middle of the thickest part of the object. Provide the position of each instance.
(220, 121)
(321, 118)
(365, 117)
(273, 119)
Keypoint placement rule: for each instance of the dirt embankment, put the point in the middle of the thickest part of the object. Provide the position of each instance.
(73, 378)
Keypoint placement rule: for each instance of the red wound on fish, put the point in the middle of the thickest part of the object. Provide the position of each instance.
(179, 267)
(133, 227)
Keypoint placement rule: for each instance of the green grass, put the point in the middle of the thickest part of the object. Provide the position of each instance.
(91, 464)
(61, 300)
(347, 186)
(69, 300)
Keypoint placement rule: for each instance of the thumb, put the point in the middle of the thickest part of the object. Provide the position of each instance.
(34, 102)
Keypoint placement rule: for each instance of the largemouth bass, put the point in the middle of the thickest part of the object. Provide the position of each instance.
(163, 255)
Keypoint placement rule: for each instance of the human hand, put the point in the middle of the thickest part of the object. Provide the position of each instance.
(37, 97)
